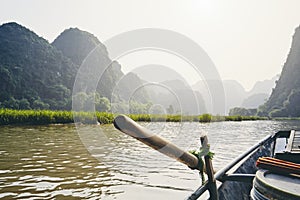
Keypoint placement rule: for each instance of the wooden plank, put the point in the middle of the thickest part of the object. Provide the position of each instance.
(277, 165)
(296, 142)
(290, 141)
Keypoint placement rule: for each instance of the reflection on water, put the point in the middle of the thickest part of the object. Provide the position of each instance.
(46, 162)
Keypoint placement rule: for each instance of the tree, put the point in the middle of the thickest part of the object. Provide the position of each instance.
(292, 104)
(24, 104)
(102, 104)
(11, 103)
(79, 100)
(40, 105)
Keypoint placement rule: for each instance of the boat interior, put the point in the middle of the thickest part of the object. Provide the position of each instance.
(268, 170)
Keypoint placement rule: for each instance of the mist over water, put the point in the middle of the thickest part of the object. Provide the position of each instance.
(44, 162)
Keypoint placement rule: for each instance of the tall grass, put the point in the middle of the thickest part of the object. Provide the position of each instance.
(244, 118)
(204, 118)
(8, 116)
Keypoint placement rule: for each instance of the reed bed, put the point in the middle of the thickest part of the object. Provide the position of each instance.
(8, 116)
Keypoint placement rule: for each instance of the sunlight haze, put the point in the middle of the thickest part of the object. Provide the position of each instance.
(247, 40)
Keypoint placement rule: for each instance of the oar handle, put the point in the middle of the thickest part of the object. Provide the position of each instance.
(130, 127)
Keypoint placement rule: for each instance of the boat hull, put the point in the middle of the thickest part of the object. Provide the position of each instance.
(233, 190)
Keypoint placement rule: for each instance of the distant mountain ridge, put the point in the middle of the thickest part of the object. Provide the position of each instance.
(169, 89)
(255, 100)
(263, 87)
(236, 95)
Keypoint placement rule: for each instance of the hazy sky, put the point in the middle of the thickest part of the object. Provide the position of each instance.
(248, 40)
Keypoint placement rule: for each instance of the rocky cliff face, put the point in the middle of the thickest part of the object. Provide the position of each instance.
(91, 58)
(33, 73)
(77, 44)
(285, 98)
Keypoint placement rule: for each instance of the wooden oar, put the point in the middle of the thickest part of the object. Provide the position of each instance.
(130, 127)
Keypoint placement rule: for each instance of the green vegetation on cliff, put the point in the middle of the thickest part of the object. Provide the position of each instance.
(35, 74)
(91, 61)
(285, 97)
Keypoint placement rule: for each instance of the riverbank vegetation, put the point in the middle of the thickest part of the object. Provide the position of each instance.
(8, 116)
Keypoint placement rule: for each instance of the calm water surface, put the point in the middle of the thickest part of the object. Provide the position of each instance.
(98, 162)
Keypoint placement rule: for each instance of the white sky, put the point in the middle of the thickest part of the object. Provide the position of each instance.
(248, 40)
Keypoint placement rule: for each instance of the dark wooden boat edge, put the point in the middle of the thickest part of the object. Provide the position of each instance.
(236, 179)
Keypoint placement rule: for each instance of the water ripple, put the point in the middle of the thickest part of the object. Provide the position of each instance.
(47, 162)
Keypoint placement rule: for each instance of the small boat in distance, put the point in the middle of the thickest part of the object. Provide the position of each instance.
(270, 169)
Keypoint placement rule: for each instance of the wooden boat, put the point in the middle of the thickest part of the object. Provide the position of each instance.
(241, 179)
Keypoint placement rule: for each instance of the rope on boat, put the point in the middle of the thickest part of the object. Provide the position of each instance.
(203, 151)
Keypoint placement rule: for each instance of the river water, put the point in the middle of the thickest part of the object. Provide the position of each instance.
(99, 162)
